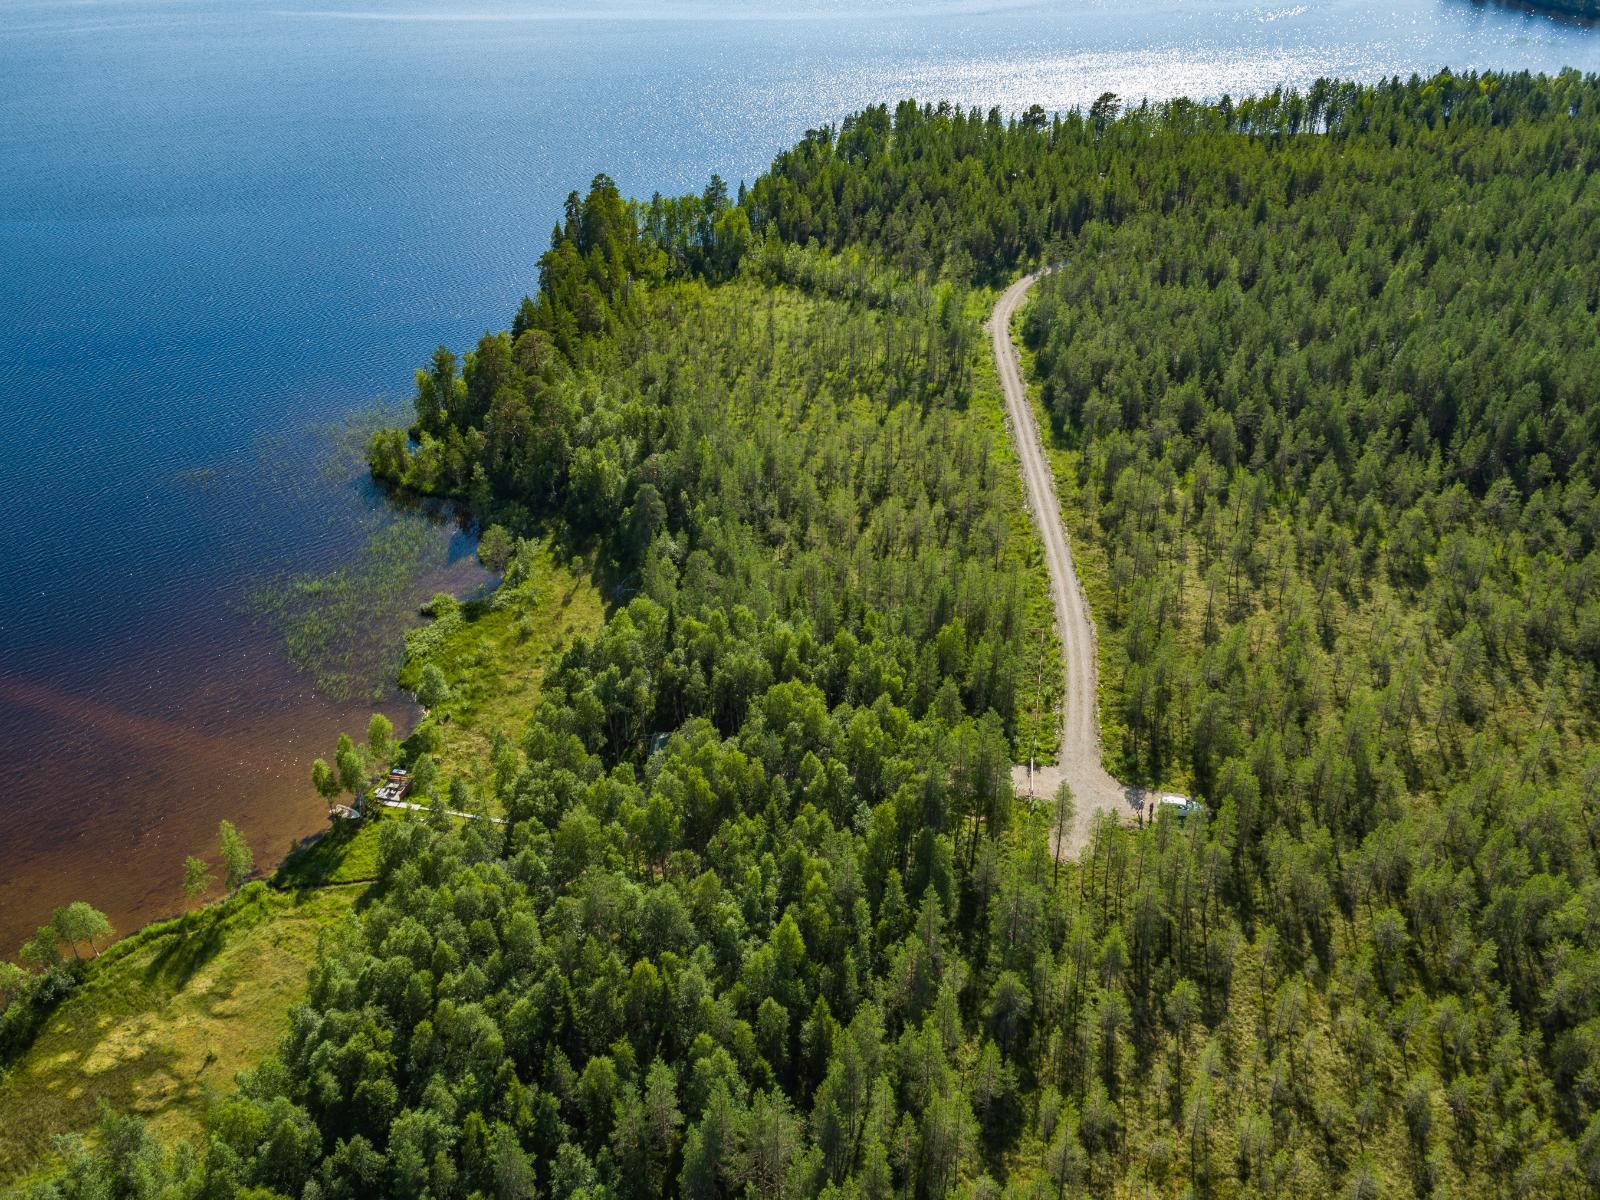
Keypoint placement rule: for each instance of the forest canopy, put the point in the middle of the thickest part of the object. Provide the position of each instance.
(1322, 370)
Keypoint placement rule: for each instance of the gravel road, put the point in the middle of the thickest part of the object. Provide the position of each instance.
(1093, 789)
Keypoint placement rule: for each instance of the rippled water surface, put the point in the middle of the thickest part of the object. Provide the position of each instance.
(227, 225)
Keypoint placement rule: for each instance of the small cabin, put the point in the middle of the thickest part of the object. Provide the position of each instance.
(393, 788)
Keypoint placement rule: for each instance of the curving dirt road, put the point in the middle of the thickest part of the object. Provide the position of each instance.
(1093, 789)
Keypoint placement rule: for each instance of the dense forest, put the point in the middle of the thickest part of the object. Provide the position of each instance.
(1588, 10)
(765, 917)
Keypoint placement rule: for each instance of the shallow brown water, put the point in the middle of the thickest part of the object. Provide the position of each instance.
(110, 782)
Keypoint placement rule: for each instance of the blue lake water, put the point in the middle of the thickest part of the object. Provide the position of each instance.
(226, 225)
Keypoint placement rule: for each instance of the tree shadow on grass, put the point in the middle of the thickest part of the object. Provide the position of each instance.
(189, 949)
(317, 859)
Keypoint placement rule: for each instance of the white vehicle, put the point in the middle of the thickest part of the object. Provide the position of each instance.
(1178, 806)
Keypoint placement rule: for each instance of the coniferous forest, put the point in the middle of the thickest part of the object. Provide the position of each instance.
(765, 918)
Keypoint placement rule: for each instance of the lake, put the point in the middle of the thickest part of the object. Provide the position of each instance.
(231, 229)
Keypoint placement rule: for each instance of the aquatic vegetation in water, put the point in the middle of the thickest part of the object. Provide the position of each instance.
(199, 477)
(342, 626)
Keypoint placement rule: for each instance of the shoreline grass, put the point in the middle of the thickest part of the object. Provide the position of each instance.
(494, 652)
(164, 1019)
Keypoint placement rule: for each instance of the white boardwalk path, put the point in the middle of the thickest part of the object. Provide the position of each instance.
(449, 812)
(1092, 788)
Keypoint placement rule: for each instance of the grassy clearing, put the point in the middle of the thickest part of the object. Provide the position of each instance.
(347, 853)
(165, 1019)
(1038, 718)
(494, 653)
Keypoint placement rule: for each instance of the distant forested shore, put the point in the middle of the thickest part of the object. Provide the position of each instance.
(1586, 9)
